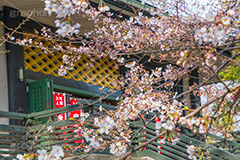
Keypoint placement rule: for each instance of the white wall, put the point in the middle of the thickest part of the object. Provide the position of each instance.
(3, 79)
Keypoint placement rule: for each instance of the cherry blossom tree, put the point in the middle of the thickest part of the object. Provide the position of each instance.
(182, 35)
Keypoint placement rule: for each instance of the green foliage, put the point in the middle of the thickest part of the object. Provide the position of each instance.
(232, 72)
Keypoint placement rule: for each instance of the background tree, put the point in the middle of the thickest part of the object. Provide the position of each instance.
(182, 35)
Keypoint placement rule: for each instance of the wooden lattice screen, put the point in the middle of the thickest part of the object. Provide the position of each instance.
(103, 73)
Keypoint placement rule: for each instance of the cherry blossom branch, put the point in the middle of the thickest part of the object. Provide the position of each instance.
(4, 40)
(142, 145)
(213, 100)
(210, 126)
(188, 116)
(141, 128)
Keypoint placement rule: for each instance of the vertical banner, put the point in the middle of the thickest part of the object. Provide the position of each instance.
(75, 114)
(59, 102)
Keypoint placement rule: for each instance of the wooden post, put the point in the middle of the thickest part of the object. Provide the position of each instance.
(195, 100)
(15, 61)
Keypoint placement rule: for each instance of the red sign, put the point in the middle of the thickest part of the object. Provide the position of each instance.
(73, 101)
(59, 102)
(157, 119)
(74, 114)
(61, 116)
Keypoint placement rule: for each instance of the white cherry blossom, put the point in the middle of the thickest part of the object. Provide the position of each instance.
(200, 33)
(162, 141)
(202, 129)
(169, 125)
(77, 2)
(104, 128)
(231, 12)
(84, 5)
(97, 122)
(50, 128)
(210, 16)
(85, 135)
(23, 157)
(52, 157)
(20, 157)
(110, 121)
(57, 151)
(118, 149)
(226, 20)
(66, 3)
(190, 150)
(158, 125)
(94, 142)
(175, 141)
(42, 154)
(106, 8)
(183, 120)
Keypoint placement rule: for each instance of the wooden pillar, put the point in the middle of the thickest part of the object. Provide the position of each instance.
(194, 79)
(17, 94)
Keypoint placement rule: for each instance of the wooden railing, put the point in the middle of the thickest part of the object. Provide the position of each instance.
(31, 137)
(25, 139)
(179, 150)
